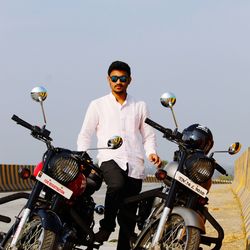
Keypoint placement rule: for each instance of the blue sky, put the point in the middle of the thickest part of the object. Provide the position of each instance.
(198, 50)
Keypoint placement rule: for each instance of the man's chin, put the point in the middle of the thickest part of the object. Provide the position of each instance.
(119, 91)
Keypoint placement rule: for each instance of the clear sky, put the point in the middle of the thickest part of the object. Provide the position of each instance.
(199, 50)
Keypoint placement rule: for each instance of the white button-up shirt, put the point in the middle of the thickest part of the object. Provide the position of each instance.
(106, 117)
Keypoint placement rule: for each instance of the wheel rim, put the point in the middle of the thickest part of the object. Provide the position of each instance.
(31, 237)
(175, 235)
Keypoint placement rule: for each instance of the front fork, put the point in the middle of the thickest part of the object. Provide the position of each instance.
(169, 204)
(26, 213)
(30, 203)
(23, 220)
(164, 217)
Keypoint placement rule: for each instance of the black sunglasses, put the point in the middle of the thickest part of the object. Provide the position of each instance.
(122, 78)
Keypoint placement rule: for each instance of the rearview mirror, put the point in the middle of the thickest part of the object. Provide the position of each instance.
(234, 148)
(39, 94)
(168, 99)
(115, 142)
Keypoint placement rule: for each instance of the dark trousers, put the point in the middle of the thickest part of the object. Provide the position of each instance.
(119, 186)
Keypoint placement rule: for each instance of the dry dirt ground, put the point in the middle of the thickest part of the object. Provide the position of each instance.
(224, 206)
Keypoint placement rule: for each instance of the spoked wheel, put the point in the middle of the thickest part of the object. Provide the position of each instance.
(176, 236)
(34, 237)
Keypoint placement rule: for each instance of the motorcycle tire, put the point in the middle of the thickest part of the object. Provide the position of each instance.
(34, 237)
(175, 236)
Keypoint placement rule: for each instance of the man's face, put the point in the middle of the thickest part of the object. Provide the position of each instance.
(119, 81)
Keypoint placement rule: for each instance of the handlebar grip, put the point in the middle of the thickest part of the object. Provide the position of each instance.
(155, 125)
(36, 131)
(22, 122)
(220, 169)
(166, 131)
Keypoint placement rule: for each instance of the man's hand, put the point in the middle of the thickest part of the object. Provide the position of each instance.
(155, 159)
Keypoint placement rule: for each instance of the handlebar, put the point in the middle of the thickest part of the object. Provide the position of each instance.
(220, 169)
(22, 122)
(168, 133)
(37, 132)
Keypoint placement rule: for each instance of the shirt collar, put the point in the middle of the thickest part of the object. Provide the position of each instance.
(128, 99)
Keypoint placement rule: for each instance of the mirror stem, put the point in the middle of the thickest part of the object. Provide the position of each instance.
(212, 154)
(97, 148)
(171, 107)
(44, 118)
(222, 151)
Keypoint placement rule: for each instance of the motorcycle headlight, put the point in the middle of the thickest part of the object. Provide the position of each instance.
(63, 167)
(199, 168)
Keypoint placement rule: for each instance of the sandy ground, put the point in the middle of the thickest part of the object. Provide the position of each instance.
(225, 208)
(223, 205)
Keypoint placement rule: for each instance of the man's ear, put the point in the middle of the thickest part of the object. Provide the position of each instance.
(129, 79)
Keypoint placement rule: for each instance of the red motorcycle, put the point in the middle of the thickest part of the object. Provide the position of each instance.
(59, 213)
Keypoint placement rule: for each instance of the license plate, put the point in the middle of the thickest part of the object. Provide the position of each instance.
(53, 184)
(190, 184)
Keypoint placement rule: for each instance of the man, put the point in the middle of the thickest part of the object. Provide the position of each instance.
(118, 113)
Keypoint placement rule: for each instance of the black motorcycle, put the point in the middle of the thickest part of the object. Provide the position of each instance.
(173, 216)
(59, 213)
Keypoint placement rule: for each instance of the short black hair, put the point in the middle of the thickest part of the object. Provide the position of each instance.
(119, 65)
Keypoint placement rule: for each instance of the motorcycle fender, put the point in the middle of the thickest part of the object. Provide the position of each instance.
(190, 217)
(50, 221)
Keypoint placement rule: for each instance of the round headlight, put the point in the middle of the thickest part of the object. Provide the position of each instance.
(63, 167)
(199, 167)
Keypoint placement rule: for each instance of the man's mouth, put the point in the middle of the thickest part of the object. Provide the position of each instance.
(118, 86)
